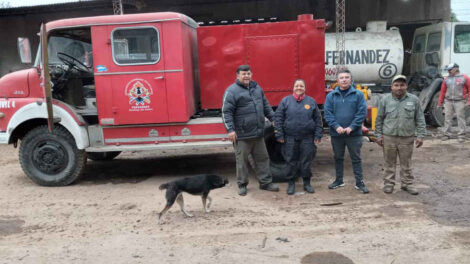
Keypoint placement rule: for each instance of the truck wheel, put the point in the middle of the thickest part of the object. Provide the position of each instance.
(437, 114)
(51, 159)
(103, 156)
(274, 149)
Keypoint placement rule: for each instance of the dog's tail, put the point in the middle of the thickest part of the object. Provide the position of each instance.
(164, 186)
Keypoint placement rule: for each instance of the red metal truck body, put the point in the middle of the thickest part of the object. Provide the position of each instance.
(278, 53)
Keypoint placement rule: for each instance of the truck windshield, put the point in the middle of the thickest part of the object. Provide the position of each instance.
(77, 49)
(462, 39)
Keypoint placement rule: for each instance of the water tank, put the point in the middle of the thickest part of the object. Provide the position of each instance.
(373, 56)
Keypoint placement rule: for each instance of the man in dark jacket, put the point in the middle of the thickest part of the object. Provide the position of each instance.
(243, 111)
(345, 110)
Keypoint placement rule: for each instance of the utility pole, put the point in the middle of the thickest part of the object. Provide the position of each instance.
(340, 29)
(117, 7)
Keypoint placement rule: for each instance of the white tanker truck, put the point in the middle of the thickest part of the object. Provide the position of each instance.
(376, 55)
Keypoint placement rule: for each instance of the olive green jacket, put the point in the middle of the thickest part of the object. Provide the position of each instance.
(400, 117)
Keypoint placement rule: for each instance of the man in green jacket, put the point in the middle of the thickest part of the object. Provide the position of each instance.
(399, 124)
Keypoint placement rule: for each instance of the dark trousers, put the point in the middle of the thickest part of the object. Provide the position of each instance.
(257, 148)
(354, 145)
(299, 154)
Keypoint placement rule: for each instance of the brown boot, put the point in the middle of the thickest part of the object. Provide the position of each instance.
(410, 189)
(388, 188)
(269, 187)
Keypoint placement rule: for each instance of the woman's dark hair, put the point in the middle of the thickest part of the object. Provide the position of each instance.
(302, 80)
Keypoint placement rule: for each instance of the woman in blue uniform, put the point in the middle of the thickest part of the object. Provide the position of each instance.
(298, 126)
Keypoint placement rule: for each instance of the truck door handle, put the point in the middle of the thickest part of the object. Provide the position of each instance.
(159, 78)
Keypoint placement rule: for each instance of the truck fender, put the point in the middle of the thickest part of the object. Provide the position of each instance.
(427, 93)
(68, 119)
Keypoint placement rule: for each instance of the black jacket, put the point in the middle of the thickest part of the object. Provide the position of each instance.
(244, 109)
(298, 119)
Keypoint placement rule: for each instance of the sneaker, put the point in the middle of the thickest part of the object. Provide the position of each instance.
(410, 189)
(269, 187)
(445, 138)
(335, 185)
(362, 188)
(242, 190)
(308, 188)
(388, 188)
(291, 188)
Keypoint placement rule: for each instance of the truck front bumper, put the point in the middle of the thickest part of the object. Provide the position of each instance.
(3, 138)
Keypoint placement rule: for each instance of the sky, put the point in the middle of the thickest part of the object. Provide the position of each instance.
(460, 7)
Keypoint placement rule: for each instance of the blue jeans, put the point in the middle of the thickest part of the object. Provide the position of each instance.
(354, 145)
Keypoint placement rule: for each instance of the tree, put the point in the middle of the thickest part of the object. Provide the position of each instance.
(5, 4)
(453, 17)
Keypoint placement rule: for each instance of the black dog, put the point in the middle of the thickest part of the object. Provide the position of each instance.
(196, 185)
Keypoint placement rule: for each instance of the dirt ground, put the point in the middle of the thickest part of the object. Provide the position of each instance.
(110, 215)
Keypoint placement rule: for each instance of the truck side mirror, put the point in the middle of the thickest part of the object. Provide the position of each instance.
(24, 50)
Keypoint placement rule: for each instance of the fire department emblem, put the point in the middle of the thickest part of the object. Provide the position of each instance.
(139, 92)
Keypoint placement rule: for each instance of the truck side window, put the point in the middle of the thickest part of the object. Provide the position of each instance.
(135, 45)
(418, 45)
(462, 39)
(434, 42)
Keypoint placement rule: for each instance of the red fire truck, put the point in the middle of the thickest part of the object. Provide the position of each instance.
(154, 81)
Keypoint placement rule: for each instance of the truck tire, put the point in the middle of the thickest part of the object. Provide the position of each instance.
(274, 149)
(103, 156)
(51, 159)
(436, 114)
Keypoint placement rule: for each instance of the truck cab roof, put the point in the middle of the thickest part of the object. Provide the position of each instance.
(120, 19)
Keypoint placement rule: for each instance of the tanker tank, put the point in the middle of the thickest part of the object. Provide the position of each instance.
(373, 56)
